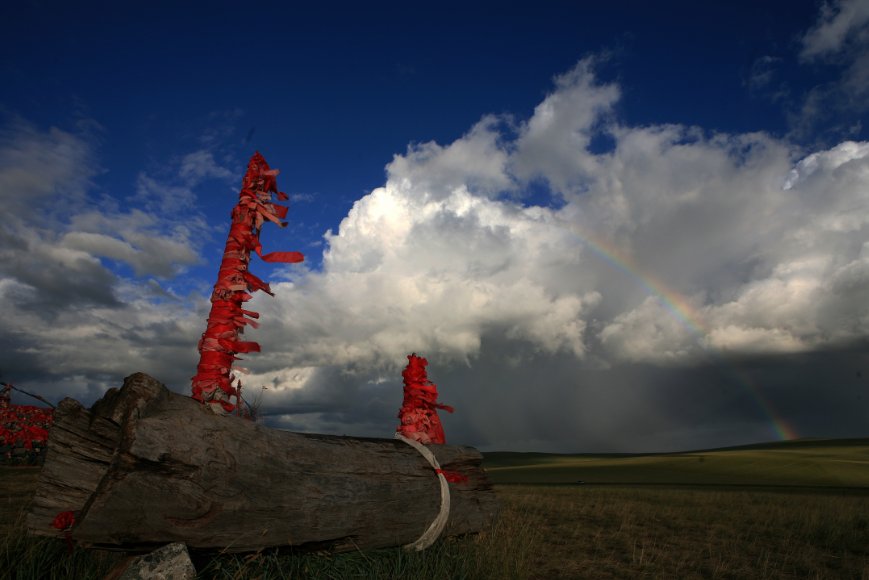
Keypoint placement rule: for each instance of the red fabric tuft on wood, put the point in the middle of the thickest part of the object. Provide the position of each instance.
(63, 521)
(418, 414)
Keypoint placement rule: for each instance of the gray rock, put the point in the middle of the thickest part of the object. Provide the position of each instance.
(171, 562)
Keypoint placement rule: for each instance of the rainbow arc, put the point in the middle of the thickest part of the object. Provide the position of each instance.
(689, 317)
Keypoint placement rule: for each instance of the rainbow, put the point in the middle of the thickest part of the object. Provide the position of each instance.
(691, 319)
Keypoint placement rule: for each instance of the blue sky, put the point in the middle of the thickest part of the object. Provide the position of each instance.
(624, 203)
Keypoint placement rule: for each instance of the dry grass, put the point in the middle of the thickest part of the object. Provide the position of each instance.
(605, 532)
(505, 551)
(16, 488)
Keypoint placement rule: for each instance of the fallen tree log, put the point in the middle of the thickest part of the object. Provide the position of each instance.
(146, 466)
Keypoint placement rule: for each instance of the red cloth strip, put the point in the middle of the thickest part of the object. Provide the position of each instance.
(283, 257)
(255, 283)
(453, 476)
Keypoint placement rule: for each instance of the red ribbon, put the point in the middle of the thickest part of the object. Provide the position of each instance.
(453, 476)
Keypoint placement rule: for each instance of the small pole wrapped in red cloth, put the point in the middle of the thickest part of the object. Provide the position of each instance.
(214, 382)
(418, 414)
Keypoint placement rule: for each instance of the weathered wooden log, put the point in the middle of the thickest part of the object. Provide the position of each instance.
(146, 466)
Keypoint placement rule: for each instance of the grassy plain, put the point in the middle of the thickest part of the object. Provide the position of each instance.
(679, 533)
(803, 463)
(794, 510)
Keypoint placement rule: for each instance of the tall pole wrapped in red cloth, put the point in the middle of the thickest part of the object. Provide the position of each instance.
(215, 382)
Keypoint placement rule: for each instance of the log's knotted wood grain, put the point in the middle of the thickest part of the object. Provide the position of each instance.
(146, 466)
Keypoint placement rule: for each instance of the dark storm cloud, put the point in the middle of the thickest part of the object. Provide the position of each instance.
(508, 399)
(47, 280)
(332, 401)
(19, 358)
(83, 352)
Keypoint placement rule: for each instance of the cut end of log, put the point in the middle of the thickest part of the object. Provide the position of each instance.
(82, 445)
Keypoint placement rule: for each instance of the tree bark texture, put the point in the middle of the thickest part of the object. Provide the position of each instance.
(146, 466)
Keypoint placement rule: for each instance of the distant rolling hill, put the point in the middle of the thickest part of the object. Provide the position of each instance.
(841, 463)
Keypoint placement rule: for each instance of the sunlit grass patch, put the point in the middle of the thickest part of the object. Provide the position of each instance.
(783, 464)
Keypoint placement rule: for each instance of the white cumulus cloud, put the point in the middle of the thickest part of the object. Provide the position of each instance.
(762, 250)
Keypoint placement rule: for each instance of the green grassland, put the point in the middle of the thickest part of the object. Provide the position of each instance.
(802, 463)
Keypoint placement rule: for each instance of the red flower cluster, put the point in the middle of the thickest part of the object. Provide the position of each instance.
(23, 426)
(214, 381)
(418, 414)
